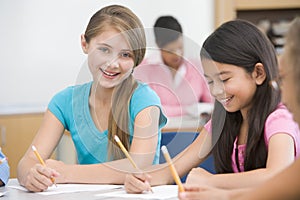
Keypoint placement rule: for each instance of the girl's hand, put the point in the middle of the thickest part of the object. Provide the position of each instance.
(198, 176)
(60, 167)
(203, 193)
(137, 183)
(39, 178)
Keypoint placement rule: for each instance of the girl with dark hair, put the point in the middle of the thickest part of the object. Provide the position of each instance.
(251, 134)
(112, 104)
(286, 184)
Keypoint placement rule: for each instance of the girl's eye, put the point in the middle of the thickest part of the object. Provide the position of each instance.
(225, 80)
(126, 55)
(104, 49)
(209, 82)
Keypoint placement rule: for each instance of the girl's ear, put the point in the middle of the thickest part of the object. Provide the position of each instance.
(84, 44)
(259, 73)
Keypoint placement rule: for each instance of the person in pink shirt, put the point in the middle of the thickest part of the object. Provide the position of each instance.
(251, 134)
(286, 184)
(177, 80)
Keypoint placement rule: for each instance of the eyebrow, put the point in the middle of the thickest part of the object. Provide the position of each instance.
(221, 73)
(105, 44)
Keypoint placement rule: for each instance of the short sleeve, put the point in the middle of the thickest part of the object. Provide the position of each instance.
(59, 103)
(281, 121)
(145, 97)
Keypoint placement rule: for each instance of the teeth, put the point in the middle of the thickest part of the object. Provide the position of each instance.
(225, 100)
(107, 73)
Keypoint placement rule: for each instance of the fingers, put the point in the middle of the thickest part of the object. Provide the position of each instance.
(137, 183)
(39, 178)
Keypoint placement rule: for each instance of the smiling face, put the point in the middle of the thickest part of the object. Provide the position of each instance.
(231, 85)
(110, 58)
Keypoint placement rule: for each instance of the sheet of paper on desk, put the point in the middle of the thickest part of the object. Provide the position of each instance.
(159, 192)
(69, 188)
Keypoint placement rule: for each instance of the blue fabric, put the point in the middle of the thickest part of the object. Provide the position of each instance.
(4, 169)
(71, 107)
(176, 142)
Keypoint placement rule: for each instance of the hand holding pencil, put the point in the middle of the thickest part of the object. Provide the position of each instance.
(42, 162)
(128, 156)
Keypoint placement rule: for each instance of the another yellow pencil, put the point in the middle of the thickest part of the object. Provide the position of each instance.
(125, 151)
(117, 139)
(172, 168)
(41, 161)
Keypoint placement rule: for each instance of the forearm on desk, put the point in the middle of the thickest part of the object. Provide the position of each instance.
(285, 185)
(241, 180)
(113, 172)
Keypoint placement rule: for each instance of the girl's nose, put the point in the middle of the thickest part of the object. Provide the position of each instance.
(217, 89)
(113, 63)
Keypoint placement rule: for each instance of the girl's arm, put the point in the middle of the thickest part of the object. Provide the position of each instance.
(142, 150)
(30, 172)
(160, 174)
(283, 186)
(281, 154)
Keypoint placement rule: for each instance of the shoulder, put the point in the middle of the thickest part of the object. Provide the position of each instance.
(67, 95)
(144, 91)
(70, 90)
(281, 112)
(281, 121)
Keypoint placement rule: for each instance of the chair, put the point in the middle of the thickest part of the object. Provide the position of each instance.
(177, 142)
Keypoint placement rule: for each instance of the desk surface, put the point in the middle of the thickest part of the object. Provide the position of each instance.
(184, 124)
(15, 194)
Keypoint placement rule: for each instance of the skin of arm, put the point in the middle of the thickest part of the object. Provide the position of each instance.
(280, 155)
(285, 185)
(35, 177)
(208, 193)
(191, 157)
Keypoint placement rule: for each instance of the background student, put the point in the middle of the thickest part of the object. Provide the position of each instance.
(286, 184)
(172, 75)
(258, 138)
(4, 169)
(114, 103)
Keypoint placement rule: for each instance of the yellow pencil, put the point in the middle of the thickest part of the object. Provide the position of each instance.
(172, 168)
(41, 161)
(127, 154)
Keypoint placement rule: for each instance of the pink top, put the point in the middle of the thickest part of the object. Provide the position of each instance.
(187, 88)
(279, 121)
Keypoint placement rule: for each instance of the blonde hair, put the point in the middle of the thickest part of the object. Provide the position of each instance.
(127, 23)
(292, 48)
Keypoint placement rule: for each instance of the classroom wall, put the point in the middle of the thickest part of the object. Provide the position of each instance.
(40, 42)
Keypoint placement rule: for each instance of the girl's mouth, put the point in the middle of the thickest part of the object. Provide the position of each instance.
(109, 74)
(226, 101)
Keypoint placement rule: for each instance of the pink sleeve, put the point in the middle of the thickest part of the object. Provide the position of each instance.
(281, 121)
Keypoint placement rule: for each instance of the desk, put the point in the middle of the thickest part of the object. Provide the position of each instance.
(15, 194)
(184, 124)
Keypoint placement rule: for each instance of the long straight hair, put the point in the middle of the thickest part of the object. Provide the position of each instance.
(127, 23)
(241, 44)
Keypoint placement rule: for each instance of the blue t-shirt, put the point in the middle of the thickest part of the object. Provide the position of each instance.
(71, 107)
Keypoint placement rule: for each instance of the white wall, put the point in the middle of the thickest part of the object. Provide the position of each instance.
(40, 50)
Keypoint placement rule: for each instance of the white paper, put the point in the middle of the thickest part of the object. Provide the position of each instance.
(70, 188)
(159, 192)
